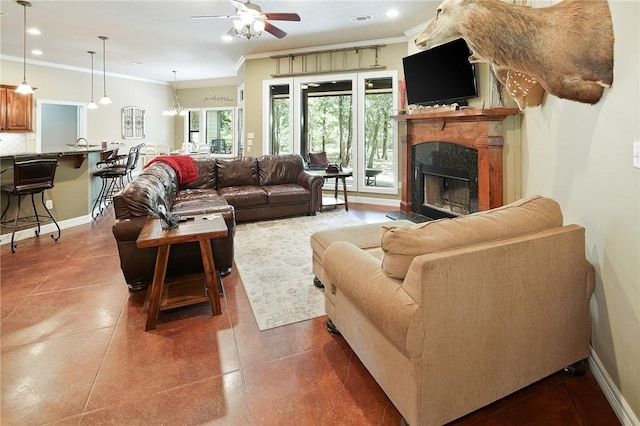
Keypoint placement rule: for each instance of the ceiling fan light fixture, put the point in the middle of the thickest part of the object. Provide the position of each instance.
(258, 27)
(238, 26)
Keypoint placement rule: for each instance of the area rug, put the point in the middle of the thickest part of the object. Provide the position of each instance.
(274, 261)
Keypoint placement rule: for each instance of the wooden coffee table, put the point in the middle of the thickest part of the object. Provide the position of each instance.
(202, 228)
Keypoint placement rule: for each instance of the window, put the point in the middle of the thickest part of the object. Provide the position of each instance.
(348, 116)
(215, 134)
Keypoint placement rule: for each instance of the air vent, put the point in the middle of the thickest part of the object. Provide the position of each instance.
(361, 18)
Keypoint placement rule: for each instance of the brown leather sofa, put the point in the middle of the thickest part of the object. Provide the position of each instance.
(242, 189)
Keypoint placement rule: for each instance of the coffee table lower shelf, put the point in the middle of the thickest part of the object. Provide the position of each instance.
(182, 291)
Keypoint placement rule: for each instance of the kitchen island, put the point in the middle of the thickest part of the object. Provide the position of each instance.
(75, 188)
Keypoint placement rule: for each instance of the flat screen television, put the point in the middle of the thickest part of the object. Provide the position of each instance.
(441, 75)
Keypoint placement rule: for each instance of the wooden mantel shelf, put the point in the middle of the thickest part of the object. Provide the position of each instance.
(477, 128)
(467, 114)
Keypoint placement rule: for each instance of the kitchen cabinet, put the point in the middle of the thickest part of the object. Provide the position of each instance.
(16, 110)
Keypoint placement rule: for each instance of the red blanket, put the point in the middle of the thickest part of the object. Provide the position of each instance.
(184, 166)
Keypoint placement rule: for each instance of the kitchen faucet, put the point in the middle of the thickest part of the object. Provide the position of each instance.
(86, 143)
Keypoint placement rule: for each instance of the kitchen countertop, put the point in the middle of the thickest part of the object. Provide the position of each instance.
(78, 153)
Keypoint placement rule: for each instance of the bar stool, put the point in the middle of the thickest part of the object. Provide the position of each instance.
(113, 178)
(30, 177)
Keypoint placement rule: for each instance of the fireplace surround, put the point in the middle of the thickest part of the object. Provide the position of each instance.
(478, 129)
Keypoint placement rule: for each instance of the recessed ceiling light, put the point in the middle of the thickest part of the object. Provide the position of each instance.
(36, 52)
(227, 37)
(136, 63)
(34, 31)
(392, 13)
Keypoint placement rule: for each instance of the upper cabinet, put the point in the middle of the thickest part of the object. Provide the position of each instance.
(15, 110)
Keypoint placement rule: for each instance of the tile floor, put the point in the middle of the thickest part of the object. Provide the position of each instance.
(74, 352)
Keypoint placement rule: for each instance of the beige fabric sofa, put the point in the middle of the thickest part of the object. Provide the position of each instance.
(451, 315)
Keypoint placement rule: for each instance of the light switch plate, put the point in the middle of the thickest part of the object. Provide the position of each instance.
(636, 154)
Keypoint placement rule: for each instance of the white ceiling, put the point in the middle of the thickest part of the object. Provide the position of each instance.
(160, 36)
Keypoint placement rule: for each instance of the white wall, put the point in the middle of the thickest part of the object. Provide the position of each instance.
(581, 155)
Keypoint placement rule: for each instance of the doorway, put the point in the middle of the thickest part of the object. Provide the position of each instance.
(60, 124)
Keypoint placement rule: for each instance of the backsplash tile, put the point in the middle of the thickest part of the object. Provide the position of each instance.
(13, 143)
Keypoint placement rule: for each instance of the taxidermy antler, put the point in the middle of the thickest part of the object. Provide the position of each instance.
(567, 48)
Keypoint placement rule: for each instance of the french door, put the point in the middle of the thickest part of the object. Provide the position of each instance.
(348, 116)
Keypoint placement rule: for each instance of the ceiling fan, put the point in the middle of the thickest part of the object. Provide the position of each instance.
(249, 20)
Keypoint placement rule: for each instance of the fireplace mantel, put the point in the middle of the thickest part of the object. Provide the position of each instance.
(476, 128)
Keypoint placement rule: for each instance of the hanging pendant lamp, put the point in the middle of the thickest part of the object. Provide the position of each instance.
(105, 99)
(174, 108)
(24, 88)
(92, 105)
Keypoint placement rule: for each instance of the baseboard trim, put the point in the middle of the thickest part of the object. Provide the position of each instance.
(611, 392)
(45, 229)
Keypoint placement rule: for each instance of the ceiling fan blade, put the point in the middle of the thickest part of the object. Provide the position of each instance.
(212, 16)
(270, 28)
(282, 16)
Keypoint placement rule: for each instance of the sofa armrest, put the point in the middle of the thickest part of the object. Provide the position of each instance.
(309, 180)
(314, 184)
(357, 274)
(128, 229)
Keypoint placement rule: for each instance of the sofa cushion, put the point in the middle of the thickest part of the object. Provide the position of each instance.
(236, 172)
(279, 169)
(206, 175)
(402, 244)
(289, 193)
(244, 196)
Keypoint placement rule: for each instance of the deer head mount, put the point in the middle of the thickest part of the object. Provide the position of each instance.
(565, 49)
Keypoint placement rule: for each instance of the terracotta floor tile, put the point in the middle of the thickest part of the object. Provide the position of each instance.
(50, 379)
(587, 398)
(175, 354)
(82, 272)
(258, 348)
(49, 315)
(553, 407)
(219, 400)
(74, 351)
(321, 386)
(22, 281)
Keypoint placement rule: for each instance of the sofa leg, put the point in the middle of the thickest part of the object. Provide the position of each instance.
(576, 369)
(137, 286)
(225, 272)
(332, 328)
(317, 282)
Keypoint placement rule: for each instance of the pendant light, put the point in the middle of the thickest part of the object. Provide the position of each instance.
(92, 105)
(175, 108)
(24, 88)
(105, 99)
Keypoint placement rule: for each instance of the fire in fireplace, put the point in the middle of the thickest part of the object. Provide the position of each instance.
(445, 180)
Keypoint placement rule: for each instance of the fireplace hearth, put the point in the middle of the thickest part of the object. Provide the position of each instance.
(452, 161)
